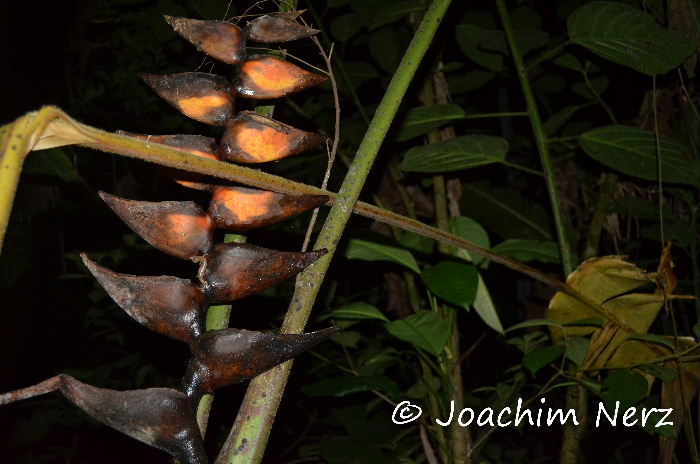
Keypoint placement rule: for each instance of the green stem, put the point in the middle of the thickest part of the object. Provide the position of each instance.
(598, 98)
(217, 319)
(540, 139)
(534, 172)
(248, 438)
(548, 54)
(602, 206)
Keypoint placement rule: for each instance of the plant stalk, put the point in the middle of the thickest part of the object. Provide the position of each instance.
(540, 140)
(605, 199)
(217, 319)
(248, 438)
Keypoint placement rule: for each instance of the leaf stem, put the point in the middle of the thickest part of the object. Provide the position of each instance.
(540, 139)
(248, 438)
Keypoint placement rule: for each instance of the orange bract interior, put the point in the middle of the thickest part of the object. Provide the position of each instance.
(271, 75)
(263, 143)
(182, 225)
(249, 205)
(198, 107)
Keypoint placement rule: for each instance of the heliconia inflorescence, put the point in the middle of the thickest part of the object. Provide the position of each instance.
(175, 307)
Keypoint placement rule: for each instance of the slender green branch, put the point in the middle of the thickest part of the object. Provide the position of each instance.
(511, 114)
(547, 55)
(598, 98)
(605, 199)
(540, 139)
(534, 172)
(248, 438)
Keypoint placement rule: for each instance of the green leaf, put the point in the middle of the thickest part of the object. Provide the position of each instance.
(471, 230)
(504, 211)
(529, 250)
(456, 154)
(423, 119)
(372, 251)
(358, 310)
(469, 81)
(576, 349)
(348, 338)
(568, 61)
(653, 338)
(484, 307)
(359, 72)
(425, 330)
(598, 83)
(633, 151)
(541, 357)
(527, 40)
(342, 386)
(532, 323)
(625, 386)
(663, 373)
(627, 36)
(345, 26)
(452, 281)
(53, 162)
(393, 11)
(558, 119)
(385, 48)
(417, 242)
(468, 38)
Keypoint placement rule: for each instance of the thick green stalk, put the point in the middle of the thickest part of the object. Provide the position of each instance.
(571, 442)
(540, 140)
(217, 319)
(248, 438)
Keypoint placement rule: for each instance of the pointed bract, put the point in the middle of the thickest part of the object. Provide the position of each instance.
(239, 208)
(253, 138)
(179, 228)
(229, 356)
(231, 271)
(265, 76)
(201, 96)
(168, 305)
(219, 39)
(160, 417)
(198, 145)
(276, 28)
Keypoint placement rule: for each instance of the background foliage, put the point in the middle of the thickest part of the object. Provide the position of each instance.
(397, 295)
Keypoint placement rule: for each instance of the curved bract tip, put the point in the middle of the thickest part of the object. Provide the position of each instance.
(231, 271)
(229, 356)
(171, 306)
(160, 417)
(204, 97)
(239, 208)
(221, 40)
(266, 76)
(253, 138)
(180, 228)
(276, 28)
